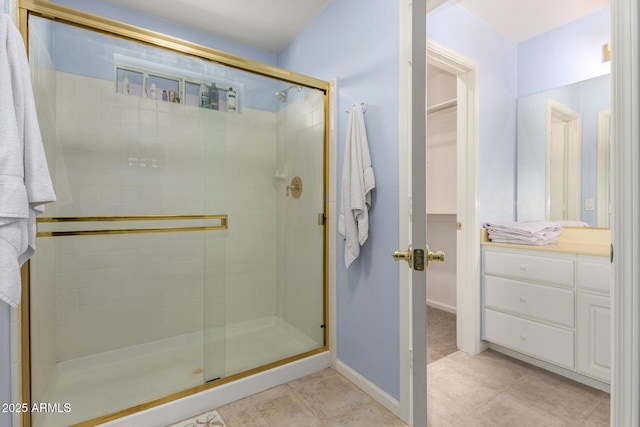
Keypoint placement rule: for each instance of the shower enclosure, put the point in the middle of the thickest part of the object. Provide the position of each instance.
(181, 252)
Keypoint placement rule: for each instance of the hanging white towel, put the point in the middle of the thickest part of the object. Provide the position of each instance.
(25, 184)
(357, 183)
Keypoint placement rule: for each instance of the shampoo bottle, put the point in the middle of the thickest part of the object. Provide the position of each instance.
(214, 97)
(232, 101)
(126, 85)
(204, 96)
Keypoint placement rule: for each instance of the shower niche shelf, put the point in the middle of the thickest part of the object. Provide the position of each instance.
(145, 79)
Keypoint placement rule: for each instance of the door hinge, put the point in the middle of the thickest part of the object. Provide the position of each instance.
(458, 226)
(322, 219)
(411, 358)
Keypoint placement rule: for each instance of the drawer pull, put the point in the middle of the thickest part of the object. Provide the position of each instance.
(523, 337)
(523, 267)
(523, 299)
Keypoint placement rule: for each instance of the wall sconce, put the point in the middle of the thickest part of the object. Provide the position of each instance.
(606, 52)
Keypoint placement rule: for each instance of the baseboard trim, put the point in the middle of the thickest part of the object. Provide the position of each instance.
(553, 368)
(368, 387)
(441, 306)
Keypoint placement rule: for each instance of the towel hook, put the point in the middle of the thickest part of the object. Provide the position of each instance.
(363, 105)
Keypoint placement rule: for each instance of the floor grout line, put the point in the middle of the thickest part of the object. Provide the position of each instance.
(588, 414)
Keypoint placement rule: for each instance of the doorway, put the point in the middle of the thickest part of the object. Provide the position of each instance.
(442, 182)
(458, 207)
(563, 162)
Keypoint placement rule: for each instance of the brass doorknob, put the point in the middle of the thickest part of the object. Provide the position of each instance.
(416, 259)
(437, 256)
(405, 256)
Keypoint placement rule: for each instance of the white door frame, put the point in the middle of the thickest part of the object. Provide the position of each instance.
(625, 218)
(404, 197)
(571, 160)
(604, 160)
(468, 234)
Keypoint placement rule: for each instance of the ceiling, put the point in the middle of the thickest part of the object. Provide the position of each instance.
(522, 19)
(265, 24)
(271, 24)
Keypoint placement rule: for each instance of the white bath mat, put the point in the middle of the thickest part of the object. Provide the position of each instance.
(208, 419)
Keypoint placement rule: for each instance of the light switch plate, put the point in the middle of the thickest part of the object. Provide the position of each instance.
(589, 205)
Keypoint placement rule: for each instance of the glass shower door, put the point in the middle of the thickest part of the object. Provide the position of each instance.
(124, 255)
(187, 244)
(274, 264)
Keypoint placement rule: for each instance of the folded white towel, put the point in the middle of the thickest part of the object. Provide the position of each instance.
(25, 184)
(529, 228)
(538, 233)
(357, 182)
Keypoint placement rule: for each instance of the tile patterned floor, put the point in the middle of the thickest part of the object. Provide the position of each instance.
(486, 390)
(491, 389)
(322, 399)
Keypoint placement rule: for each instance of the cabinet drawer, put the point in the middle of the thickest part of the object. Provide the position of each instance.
(546, 303)
(545, 342)
(594, 274)
(557, 270)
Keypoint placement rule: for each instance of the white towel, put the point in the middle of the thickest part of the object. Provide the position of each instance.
(537, 233)
(357, 183)
(529, 228)
(25, 184)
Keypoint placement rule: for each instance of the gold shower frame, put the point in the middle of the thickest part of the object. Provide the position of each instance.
(67, 15)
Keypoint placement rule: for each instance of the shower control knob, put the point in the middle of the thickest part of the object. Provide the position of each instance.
(295, 187)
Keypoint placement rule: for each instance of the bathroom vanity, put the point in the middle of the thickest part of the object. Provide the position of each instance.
(549, 305)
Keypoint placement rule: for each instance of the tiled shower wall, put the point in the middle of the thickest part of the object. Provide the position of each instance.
(300, 148)
(123, 155)
(43, 302)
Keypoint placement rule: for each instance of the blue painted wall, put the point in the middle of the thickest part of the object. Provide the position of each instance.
(458, 29)
(121, 14)
(564, 55)
(361, 50)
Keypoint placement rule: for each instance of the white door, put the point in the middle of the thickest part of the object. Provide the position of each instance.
(563, 162)
(412, 222)
(412, 203)
(557, 186)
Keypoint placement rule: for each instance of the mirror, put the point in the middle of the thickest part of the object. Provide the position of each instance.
(562, 153)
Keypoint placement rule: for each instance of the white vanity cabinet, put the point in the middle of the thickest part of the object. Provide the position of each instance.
(550, 306)
(593, 356)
